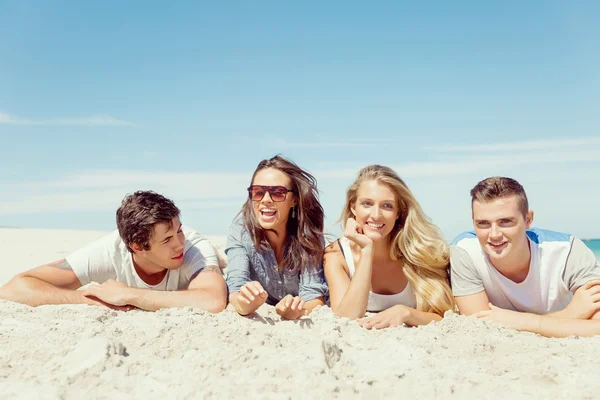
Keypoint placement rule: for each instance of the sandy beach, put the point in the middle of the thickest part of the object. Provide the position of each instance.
(77, 351)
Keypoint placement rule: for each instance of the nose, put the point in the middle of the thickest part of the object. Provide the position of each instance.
(495, 232)
(265, 200)
(375, 213)
(179, 243)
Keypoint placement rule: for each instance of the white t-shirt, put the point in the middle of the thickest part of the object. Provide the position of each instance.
(108, 258)
(560, 264)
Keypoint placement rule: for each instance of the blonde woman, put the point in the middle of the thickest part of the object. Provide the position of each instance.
(391, 259)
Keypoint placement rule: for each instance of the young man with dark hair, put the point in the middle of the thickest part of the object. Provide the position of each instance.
(150, 262)
(506, 264)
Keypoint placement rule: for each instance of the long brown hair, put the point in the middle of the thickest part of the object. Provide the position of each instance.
(305, 231)
(414, 239)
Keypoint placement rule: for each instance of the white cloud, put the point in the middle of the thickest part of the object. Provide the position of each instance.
(279, 143)
(535, 145)
(103, 190)
(100, 120)
(560, 184)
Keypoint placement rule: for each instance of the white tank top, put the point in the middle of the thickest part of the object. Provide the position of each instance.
(379, 302)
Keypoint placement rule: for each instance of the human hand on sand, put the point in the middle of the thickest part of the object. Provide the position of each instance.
(110, 293)
(291, 307)
(390, 318)
(251, 296)
(585, 302)
(355, 233)
(507, 318)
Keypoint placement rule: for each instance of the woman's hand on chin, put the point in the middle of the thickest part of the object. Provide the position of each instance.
(355, 233)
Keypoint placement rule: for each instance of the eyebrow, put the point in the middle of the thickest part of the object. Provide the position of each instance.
(382, 201)
(169, 237)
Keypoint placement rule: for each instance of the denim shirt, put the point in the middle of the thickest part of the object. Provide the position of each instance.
(246, 263)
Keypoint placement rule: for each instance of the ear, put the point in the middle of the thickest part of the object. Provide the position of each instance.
(135, 247)
(529, 219)
(353, 209)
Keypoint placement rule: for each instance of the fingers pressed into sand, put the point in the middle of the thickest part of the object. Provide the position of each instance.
(367, 324)
(257, 288)
(381, 325)
(246, 294)
(295, 303)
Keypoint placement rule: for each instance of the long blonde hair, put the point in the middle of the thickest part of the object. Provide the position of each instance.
(414, 239)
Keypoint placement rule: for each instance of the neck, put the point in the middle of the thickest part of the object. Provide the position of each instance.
(149, 272)
(276, 239)
(517, 267)
(381, 251)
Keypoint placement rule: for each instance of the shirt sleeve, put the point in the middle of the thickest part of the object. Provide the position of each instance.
(238, 261)
(463, 275)
(581, 266)
(93, 263)
(199, 253)
(312, 282)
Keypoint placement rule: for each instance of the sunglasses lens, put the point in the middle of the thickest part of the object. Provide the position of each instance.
(278, 194)
(257, 193)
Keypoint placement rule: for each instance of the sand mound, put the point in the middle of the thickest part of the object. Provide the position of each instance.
(79, 351)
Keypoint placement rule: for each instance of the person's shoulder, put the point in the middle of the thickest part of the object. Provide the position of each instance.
(238, 228)
(111, 240)
(540, 236)
(465, 237)
(191, 234)
(333, 248)
(238, 223)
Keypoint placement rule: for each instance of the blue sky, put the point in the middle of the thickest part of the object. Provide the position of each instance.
(98, 99)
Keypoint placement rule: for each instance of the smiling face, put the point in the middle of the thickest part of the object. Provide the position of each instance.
(501, 229)
(273, 215)
(166, 248)
(375, 210)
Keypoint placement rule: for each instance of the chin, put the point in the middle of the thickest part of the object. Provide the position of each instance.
(376, 236)
(175, 264)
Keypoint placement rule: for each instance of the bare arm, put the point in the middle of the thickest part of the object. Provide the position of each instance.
(348, 297)
(473, 303)
(206, 291)
(54, 283)
(541, 324)
(314, 303)
(561, 327)
(417, 317)
(398, 315)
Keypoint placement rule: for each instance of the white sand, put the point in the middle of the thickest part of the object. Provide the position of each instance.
(56, 352)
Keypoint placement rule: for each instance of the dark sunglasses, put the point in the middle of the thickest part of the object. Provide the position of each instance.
(277, 193)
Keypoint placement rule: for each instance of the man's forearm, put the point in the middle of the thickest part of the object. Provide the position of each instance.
(564, 313)
(560, 327)
(35, 292)
(153, 300)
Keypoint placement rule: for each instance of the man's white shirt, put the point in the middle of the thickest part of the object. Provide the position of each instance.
(560, 264)
(108, 258)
